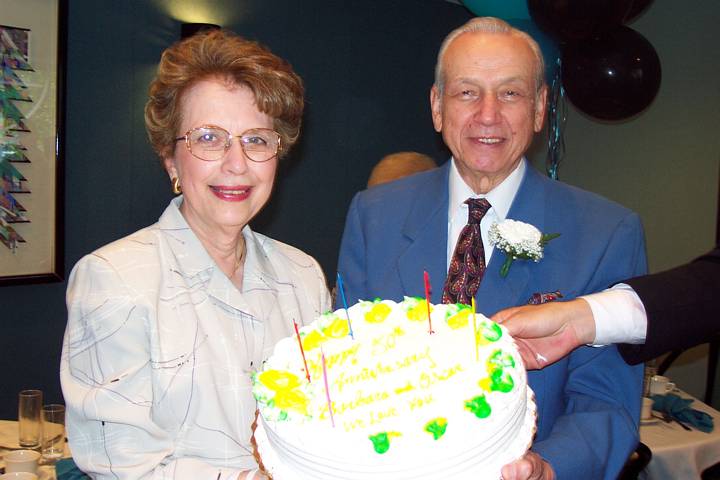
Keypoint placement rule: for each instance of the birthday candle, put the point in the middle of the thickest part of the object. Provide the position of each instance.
(426, 278)
(327, 389)
(302, 351)
(477, 354)
(345, 305)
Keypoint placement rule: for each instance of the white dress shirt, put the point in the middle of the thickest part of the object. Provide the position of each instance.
(619, 315)
(160, 347)
(500, 198)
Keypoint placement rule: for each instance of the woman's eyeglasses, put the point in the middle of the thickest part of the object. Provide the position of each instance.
(211, 143)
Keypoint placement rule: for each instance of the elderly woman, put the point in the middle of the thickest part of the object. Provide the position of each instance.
(166, 326)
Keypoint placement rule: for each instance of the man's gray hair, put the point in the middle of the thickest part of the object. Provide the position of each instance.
(494, 26)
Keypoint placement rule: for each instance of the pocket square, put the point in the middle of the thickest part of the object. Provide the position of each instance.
(540, 298)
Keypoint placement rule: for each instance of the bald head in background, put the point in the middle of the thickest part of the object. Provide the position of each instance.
(398, 165)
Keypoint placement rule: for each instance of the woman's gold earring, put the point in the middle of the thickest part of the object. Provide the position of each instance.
(176, 188)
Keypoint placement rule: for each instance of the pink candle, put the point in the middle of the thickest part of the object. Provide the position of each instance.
(426, 278)
(297, 332)
(327, 389)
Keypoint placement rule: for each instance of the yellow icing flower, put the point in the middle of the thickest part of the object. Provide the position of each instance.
(291, 400)
(460, 319)
(418, 311)
(279, 380)
(486, 384)
(313, 340)
(481, 340)
(338, 328)
(378, 313)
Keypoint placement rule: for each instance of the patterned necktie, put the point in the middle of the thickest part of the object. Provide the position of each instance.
(467, 265)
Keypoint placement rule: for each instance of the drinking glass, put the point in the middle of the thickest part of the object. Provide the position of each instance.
(53, 432)
(29, 426)
(650, 371)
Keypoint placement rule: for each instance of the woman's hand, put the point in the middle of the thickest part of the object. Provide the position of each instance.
(530, 467)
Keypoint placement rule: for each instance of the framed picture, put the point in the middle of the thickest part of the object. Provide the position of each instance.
(32, 83)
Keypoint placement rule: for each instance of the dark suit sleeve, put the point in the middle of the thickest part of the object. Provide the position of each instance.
(682, 305)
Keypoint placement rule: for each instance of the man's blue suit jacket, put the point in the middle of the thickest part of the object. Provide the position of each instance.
(589, 402)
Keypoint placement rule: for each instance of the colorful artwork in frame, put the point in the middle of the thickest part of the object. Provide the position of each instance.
(32, 52)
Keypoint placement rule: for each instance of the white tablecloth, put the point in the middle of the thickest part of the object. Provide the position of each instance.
(678, 453)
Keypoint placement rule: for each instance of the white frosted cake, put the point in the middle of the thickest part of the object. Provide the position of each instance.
(405, 403)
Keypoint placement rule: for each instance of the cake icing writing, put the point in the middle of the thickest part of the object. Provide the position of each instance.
(397, 393)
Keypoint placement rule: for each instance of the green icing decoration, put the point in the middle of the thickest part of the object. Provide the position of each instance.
(327, 318)
(491, 332)
(499, 360)
(454, 309)
(381, 442)
(283, 415)
(437, 427)
(479, 406)
(501, 381)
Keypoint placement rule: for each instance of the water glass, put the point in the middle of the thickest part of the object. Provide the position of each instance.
(650, 371)
(53, 432)
(29, 419)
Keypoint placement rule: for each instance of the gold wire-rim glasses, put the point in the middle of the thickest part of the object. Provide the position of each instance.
(247, 139)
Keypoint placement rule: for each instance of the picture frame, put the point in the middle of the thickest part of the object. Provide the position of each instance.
(33, 38)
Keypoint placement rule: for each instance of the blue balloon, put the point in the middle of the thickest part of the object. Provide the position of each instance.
(505, 9)
(549, 47)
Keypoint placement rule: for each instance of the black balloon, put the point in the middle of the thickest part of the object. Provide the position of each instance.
(613, 76)
(636, 9)
(569, 20)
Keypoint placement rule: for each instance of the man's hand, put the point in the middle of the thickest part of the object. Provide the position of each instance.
(546, 333)
(530, 467)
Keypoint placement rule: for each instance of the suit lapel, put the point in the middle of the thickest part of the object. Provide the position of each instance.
(496, 292)
(425, 229)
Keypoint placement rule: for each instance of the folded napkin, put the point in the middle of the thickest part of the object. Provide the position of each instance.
(679, 409)
(67, 470)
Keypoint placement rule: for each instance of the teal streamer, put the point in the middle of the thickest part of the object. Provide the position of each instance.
(557, 116)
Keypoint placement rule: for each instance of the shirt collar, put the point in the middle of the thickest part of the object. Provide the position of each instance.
(191, 255)
(500, 197)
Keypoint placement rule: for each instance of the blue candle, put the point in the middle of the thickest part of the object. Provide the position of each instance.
(341, 288)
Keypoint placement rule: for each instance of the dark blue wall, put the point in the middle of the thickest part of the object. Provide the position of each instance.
(367, 67)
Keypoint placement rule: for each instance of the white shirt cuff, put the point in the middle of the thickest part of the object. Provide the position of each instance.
(619, 315)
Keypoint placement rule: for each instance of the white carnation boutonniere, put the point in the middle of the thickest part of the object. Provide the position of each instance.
(518, 240)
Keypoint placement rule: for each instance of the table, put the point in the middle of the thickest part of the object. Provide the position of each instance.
(8, 441)
(678, 453)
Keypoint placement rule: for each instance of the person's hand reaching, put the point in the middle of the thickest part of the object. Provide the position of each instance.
(546, 333)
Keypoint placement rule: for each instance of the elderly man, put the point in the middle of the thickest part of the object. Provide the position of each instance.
(488, 100)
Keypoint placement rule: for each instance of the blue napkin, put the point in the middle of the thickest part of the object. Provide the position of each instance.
(679, 409)
(67, 470)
